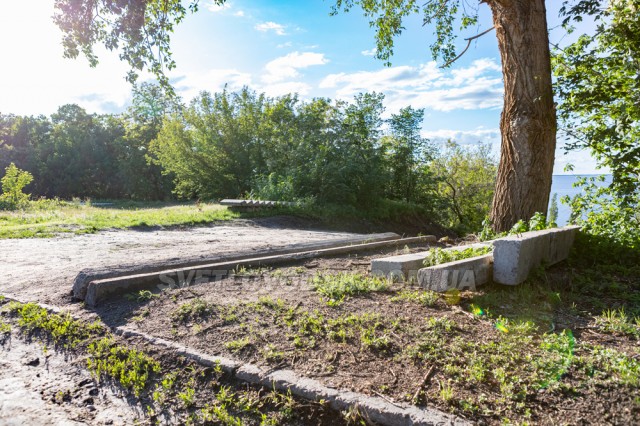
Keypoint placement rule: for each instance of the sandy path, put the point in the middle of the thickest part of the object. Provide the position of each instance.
(43, 270)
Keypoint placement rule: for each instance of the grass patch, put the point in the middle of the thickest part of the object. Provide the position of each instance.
(616, 321)
(62, 328)
(335, 288)
(129, 367)
(77, 218)
(196, 309)
(421, 297)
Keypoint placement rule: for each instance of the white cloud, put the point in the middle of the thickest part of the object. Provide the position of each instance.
(287, 66)
(191, 84)
(478, 86)
(283, 45)
(271, 26)
(370, 52)
(464, 137)
(239, 13)
(214, 7)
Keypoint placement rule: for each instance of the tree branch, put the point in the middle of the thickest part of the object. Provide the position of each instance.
(469, 40)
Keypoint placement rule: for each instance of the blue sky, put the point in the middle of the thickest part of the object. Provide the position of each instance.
(276, 47)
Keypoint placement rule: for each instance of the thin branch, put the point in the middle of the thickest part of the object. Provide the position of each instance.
(469, 40)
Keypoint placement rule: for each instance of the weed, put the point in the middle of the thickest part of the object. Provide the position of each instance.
(237, 345)
(438, 256)
(187, 396)
(425, 298)
(131, 368)
(62, 328)
(334, 288)
(446, 391)
(197, 308)
(272, 354)
(616, 321)
(141, 296)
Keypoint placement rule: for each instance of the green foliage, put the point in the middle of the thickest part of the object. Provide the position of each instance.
(196, 309)
(617, 321)
(63, 329)
(387, 20)
(131, 368)
(465, 179)
(438, 256)
(336, 287)
(597, 83)
(602, 212)
(121, 26)
(553, 212)
(13, 183)
(425, 298)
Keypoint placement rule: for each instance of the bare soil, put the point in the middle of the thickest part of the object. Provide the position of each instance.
(530, 354)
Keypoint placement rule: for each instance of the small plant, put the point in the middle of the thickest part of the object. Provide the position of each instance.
(616, 321)
(197, 308)
(237, 345)
(438, 256)
(425, 298)
(446, 391)
(335, 288)
(187, 396)
(131, 368)
(141, 296)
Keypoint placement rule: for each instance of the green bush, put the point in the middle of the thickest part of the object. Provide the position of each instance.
(13, 183)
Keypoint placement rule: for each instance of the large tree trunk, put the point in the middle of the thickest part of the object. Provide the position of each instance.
(528, 121)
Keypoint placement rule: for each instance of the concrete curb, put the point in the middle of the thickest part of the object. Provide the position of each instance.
(100, 289)
(517, 255)
(374, 409)
(464, 274)
(85, 276)
(406, 266)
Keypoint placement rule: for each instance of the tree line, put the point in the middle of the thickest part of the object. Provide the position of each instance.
(243, 143)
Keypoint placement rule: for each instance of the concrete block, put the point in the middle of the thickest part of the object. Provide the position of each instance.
(406, 266)
(465, 274)
(84, 277)
(517, 255)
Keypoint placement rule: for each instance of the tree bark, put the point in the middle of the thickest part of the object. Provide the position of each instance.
(528, 120)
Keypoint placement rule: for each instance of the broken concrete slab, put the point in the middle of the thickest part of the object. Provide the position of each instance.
(84, 277)
(465, 274)
(517, 255)
(97, 290)
(405, 267)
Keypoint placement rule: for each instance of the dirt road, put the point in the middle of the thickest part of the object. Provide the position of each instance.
(43, 270)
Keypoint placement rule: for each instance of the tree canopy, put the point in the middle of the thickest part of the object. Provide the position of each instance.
(598, 86)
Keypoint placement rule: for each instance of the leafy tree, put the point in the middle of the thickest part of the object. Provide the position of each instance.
(528, 123)
(141, 29)
(407, 153)
(598, 86)
(13, 183)
(466, 177)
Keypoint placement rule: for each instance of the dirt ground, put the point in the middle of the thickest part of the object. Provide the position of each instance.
(43, 270)
(537, 353)
(46, 387)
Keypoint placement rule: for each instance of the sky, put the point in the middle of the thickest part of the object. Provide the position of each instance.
(276, 47)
